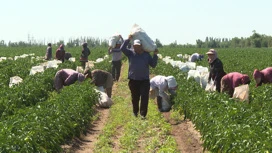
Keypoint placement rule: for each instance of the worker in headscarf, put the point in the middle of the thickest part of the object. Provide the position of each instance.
(60, 53)
(263, 76)
(216, 69)
(66, 77)
(159, 87)
(100, 78)
(84, 54)
(232, 80)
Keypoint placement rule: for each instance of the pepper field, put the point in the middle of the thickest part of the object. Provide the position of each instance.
(34, 118)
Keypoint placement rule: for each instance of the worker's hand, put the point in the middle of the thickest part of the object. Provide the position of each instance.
(156, 51)
(130, 37)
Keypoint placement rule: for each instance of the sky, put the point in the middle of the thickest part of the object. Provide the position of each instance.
(183, 21)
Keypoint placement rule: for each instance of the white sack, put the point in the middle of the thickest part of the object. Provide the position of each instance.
(241, 92)
(113, 40)
(36, 69)
(103, 100)
(15, 80)
(147, 43)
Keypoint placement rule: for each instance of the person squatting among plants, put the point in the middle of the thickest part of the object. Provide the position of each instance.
(116, 59)
(66, 77)
(84, 54)
(232, 80)
(195, 57)
(100, 78)
(60, 53)
(48, 55)
(216, 69)
(159, 85)
(263, 76)
(138, 74)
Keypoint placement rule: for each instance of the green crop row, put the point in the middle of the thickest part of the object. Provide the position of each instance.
(34, 88)
(47, 125)
(225, 124)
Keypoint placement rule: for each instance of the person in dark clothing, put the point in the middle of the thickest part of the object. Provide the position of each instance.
(60, 53)
(216, 69)
(138, 74)
(84, 54)
(100, 78)
(67, 56)
(48, 55)
(116, 59)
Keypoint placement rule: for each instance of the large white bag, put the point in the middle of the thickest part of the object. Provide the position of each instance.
(241, 92)
(104, 100)
(15, 80)
(36, 69)
(147, 43)
(113, 40)
(210, 86)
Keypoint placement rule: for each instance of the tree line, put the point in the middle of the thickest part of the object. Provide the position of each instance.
(256, 40)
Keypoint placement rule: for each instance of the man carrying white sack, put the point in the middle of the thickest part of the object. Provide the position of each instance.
(159, 85)
(195, 57)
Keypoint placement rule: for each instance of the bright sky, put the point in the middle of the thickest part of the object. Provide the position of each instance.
(167, 20)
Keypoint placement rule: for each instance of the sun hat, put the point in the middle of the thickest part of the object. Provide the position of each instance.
(211, 52)
(171, 81)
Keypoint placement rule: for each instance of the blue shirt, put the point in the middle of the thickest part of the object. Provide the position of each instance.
(138, 63)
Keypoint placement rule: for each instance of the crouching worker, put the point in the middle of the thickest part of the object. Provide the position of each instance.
(159, 85)
(263, 76)
(66, 77)
(100, 78)
(232, 80)
(195, 57)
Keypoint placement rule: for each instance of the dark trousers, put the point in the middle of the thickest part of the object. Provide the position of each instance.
(139, 89)
(115, 69)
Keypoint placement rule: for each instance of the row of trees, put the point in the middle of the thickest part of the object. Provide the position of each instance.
(92, 42)
(256, 40)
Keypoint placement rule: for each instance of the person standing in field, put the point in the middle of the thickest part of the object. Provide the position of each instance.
(66, 77)
(48, 55)
(263, 76)
(195, 57)
(159, 85)
(232, 80)
(84, 54)
(116, 59)
(60, 53)
(138, 74)
(216, 69)
(100, 78)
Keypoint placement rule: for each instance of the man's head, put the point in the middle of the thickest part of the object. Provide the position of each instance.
(49, 44)
(137, 45)
(118, 44)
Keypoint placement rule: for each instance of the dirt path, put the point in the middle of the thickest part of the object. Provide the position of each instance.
(187, 138)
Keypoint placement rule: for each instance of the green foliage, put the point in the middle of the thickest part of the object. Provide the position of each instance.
(225, 124)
